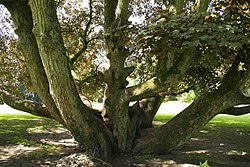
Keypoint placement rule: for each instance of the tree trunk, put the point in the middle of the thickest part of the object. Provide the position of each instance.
(145, 111)
(150, 110)
(116, 103)
(41, 43)
(21, 16)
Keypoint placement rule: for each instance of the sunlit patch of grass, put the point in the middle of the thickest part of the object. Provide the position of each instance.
(242, 122)
(163, 117)
(15, 129)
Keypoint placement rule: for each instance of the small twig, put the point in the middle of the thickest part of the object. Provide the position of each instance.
(103, 162)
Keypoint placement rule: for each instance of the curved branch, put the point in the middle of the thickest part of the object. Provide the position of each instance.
(109, 13)
(164, 81)
(84, 36)
(237, 110)
(33, 108)
(22, 18)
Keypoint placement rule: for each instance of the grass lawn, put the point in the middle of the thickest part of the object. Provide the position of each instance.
(37, 141)
(27, 140)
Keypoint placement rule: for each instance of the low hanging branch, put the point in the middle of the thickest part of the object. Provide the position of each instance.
(31, 107)
(237, 110)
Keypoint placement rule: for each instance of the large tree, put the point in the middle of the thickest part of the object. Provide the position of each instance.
(176, 40)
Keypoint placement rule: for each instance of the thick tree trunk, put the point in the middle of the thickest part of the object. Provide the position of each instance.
(90, 133)
(116, 103)
(21, 16)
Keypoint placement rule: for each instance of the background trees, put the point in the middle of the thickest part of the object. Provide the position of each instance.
(177, 47)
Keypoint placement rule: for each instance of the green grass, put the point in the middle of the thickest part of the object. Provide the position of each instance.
(163, 117)
(224, 121)
(228, 121)
(18, 129)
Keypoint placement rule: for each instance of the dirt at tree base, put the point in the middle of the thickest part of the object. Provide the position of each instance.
(196, 151)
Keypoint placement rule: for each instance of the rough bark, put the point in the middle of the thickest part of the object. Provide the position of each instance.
(153, 105)
(116, 104)
(92, 136)
(21, 16)
(180, 128)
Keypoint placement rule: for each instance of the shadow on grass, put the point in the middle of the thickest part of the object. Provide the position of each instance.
(28, 140)
(17, 129)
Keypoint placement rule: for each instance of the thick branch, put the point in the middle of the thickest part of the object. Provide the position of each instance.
(109, 13)
(123, 12)
(164, 81)
(198, 113)
(34, 108)
(21, 16)
(82, 124)
(236, 110)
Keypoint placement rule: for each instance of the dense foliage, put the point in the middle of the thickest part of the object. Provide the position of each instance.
(216, 36)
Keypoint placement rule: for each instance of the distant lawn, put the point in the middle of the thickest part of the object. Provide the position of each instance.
(222, 120)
